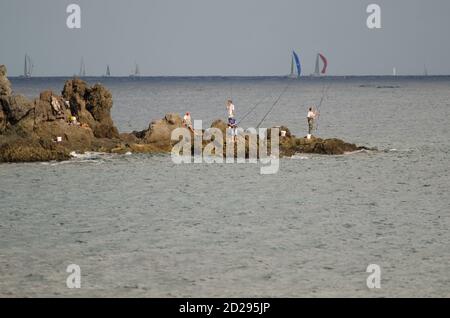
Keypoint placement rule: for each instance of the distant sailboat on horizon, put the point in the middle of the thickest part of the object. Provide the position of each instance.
(295, 59)
(317, 71)
(137, 72)
(28, 67)
(108, 71)
(82, 72)
(394, 71)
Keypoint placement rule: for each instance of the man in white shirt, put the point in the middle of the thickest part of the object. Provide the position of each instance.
(311, 117)
(230, 109)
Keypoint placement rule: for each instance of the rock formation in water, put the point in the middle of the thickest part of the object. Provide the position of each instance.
(5, 85)
(92, 106)
(44, 129)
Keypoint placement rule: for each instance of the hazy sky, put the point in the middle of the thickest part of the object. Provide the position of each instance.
(225, 37)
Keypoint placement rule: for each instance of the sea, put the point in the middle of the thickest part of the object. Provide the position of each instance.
(140, 225)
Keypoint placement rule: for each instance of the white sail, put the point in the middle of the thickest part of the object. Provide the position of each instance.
(320, 68)
(317, 68)
(28, 66)
(136, 72)
(25, 68)
(82, 72)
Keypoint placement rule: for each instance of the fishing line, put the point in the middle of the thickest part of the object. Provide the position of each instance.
(231, 88)
(273, 105)
(324, 94)
(252, 109)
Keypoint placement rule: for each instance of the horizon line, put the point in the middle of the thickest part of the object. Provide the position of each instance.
(221, 76)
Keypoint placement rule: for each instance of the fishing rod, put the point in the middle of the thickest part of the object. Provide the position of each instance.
(324, 94)
(231, 89)
(273, 105)
(252, 109)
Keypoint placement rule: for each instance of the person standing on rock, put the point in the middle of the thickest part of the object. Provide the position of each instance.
(231, 120)
(230, 110)
(311, 117)
(232, 127)
(187, 121)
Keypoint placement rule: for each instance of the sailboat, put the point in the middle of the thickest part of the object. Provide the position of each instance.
(137, 72)
(425, 70)
(108, 71)
(28, 67)
(82, 72)
(394, 72)
(295, 59)
(317, 71)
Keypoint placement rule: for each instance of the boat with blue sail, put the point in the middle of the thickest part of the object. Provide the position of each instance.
(295, 60)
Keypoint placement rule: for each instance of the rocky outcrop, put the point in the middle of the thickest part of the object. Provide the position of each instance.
(5, 92)
(3, 120)
(15, 108)
(159, 131)
(5, 85)
(92, 106)
(30, 150)
(42, 129)
(290, 145)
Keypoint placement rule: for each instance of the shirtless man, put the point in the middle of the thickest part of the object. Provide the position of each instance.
(311, 117)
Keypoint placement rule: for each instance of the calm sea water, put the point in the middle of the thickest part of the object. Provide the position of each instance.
(140, 225)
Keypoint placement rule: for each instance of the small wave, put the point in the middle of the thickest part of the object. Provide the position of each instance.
(358, 151)
(299, 157)
(92, 156)
(87, 155)
(395, 150)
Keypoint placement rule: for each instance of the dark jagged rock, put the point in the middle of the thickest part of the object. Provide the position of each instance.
(292, 145)
(99, 103)
(15, 107)
(92, 106)
(44, 111)
(5, 85)
(19, 114)
(3, 120)
(40, 130)
(75, 91)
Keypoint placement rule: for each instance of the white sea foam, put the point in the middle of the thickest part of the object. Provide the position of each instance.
(299, 157)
